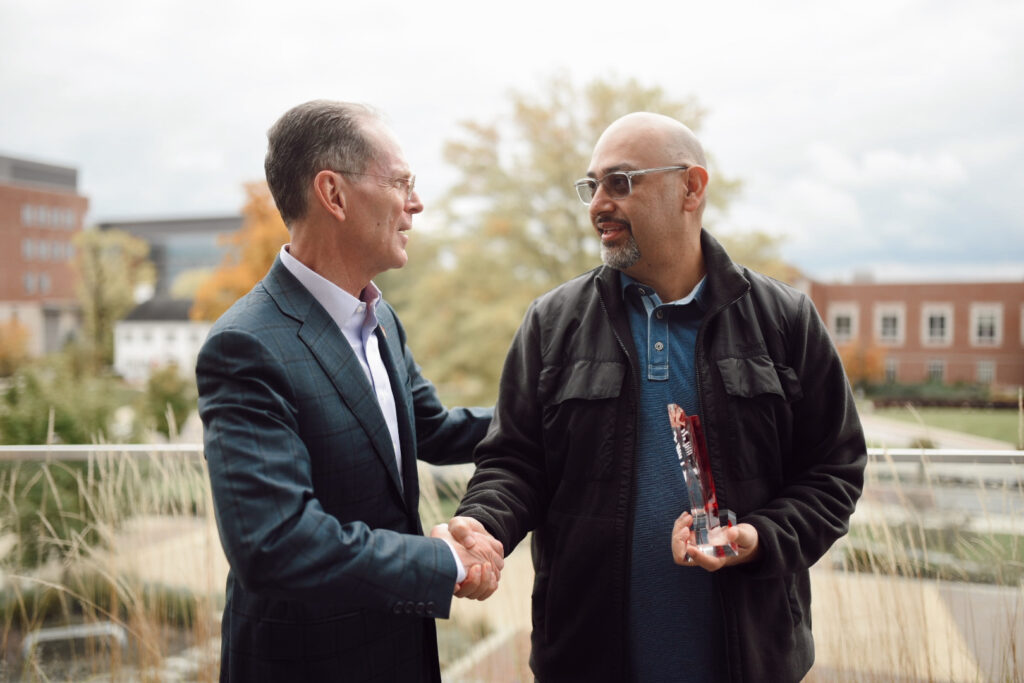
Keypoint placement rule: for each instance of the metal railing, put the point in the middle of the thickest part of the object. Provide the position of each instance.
(82, 451)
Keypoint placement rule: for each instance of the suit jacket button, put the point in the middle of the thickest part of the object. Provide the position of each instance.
(430, 608)
(397, 609)
(408, 607)
(420, 607)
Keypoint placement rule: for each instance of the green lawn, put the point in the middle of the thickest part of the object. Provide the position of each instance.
(988, 422)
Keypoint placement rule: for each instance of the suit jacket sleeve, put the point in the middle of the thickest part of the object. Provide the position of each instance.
(443, 436)
(278, 538)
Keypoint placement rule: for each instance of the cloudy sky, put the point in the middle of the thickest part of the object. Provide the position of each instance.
(885, 136)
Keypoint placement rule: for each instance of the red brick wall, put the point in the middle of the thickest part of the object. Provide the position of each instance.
(912, 356)
(54, 218)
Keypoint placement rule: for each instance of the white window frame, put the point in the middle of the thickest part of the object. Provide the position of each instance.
(943, 309)
(892, 370)
(985, 372)
(896, 309)
(848, 309)
(978, 310)
(935, 363)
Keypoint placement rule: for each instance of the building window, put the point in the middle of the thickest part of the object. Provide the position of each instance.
(44, 283)
(26, 214)
(892, 367)
(28, 250)
(890, 328)
(986, 324)
(844, 327)
(937, 324)
(30, 283)
(889, 324)
(986, 372)
(936, 371)
(843, 322)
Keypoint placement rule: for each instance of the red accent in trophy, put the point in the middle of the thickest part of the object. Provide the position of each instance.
(709, 524)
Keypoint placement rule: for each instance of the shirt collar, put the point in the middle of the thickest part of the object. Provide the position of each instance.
(345, 309)
(698, 294)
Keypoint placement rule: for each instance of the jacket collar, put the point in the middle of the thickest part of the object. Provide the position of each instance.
(725, 280)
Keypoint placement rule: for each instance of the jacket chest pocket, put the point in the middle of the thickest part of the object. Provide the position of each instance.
(759, 393)
(580, 417)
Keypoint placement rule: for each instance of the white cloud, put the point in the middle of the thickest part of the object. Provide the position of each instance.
(885, 128)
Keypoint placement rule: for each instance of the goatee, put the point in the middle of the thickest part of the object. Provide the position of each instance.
(621, 257)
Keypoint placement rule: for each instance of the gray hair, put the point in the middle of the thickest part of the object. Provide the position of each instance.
(312, 137)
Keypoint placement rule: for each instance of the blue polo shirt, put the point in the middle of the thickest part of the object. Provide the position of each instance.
(674, 616)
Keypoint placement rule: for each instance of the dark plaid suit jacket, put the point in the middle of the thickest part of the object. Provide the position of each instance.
(331, 577)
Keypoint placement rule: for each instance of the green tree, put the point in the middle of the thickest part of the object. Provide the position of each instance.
(53, 401)
(169, 394)
(513, 226)
(759, 251)
(110, 265)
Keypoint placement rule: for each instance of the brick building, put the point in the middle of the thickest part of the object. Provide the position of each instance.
(942, 332)
(40, 212)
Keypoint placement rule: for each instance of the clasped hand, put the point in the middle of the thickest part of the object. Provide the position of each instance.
(481, 554)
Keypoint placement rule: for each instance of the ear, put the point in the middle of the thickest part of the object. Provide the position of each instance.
(696, 188)
(329, 193)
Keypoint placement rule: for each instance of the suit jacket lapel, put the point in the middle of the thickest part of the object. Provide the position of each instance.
(335, 356)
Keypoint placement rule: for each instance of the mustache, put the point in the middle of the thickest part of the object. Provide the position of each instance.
(606, 218)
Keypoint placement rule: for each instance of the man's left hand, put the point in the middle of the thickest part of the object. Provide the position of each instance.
(686, 552)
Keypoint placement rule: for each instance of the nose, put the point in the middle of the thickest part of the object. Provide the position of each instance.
(600, 202)
(413, 204)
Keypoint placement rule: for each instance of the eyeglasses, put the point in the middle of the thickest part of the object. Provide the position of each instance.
(617, 184)
(408, 185)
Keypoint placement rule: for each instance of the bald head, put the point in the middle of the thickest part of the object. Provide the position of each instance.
(657, 135)
(651, 228)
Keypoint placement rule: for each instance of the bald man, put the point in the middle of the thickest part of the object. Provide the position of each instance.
(581, 452)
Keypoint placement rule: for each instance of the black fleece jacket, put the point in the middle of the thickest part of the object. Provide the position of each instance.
(785, 443)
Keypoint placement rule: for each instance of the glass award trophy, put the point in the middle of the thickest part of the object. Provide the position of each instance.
(709, 524)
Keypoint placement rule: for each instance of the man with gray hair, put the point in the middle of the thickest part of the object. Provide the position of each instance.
(315, 414)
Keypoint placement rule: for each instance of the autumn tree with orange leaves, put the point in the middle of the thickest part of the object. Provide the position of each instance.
(864, 364)
(251, 251)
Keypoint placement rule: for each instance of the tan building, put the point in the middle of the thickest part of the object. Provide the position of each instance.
(40, 211)
(943, 332)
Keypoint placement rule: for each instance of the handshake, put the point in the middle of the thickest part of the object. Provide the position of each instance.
(480, 553)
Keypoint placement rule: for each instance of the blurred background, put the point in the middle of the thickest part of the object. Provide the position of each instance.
(867, 155)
